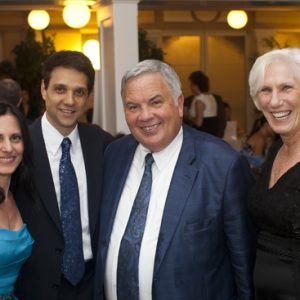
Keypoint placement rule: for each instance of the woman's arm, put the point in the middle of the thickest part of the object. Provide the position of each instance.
(199, 110)
(258, 144)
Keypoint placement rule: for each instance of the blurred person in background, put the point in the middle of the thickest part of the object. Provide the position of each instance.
(206, 111)
(257, 143)
(10, 91)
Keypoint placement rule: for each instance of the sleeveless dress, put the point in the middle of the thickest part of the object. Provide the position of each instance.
(276, 212)
(210, 115)
(15, 248)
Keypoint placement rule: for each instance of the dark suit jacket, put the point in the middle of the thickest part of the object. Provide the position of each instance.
(41, 274)
(205, 249)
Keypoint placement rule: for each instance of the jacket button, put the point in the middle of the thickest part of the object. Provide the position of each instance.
(55, 286)
(58, 250)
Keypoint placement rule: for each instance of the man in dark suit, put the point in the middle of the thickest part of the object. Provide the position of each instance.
(196, 242)
(67, 82)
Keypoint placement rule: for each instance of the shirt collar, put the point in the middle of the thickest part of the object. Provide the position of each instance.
(162, 157)
(53, 137)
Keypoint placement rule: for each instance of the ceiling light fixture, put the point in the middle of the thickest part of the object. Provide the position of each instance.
(38, 19)
(91, 49)
(76, 14)
(237, 19)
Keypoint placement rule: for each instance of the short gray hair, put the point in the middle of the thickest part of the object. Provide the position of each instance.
(151, 66)
(10, 91)
(290, 56)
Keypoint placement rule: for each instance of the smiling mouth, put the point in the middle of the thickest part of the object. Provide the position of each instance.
(67, 111)
(149, 128)
(281, 114)
(6, 159)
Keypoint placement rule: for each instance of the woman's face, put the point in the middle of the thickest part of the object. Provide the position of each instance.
(11, 144)
(279, 99)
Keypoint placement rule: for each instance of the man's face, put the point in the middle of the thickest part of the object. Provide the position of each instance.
(151, 112)
(65, 98)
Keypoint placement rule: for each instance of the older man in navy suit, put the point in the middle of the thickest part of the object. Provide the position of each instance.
(187, 235)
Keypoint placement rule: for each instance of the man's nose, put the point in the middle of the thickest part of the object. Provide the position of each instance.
(69, 98)
(145, 114)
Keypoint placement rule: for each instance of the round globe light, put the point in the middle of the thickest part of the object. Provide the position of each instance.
(237, 19)
(76, 15)
(38, 19)
(91, 49)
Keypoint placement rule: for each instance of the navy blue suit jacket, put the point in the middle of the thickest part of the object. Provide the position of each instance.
(205, 249)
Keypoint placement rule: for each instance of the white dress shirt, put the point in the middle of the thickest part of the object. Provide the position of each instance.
(162, 172)
(53, 141)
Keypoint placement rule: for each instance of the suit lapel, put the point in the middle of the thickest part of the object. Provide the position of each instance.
(181, 184)
(42, 174)
(114, 179)
(92, 177)
(118, 183)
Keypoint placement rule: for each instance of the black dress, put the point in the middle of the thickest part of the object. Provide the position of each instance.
(276, 212)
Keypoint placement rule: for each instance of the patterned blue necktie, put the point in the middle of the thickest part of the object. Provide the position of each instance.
(128, 260)
(73, 261)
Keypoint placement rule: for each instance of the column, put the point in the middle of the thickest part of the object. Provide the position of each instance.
(118, 30)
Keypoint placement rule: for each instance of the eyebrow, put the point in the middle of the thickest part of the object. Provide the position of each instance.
(155, 97)
(66, 86)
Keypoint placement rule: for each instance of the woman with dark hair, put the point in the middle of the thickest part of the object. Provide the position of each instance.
(15, 165)
(257, 142)
(206, 111)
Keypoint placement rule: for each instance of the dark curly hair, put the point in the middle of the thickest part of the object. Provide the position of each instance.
(199, 79)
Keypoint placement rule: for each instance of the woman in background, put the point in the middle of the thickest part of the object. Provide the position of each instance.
(15, 164)
(274, 202)
(257, 143)
(206, 111)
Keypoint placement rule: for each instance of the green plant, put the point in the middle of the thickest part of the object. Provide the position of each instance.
(272, 43)
(148, 49)
(7, 69)
(29, 56)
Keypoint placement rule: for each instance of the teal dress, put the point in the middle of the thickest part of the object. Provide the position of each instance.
(15, 248)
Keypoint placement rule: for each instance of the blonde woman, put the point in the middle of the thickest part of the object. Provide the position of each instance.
(274, 202)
